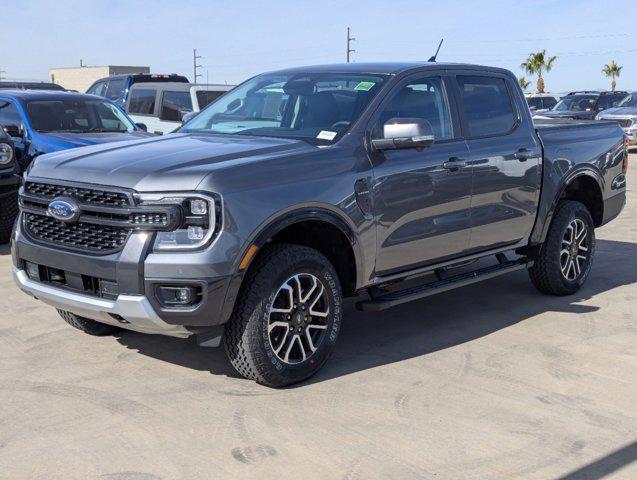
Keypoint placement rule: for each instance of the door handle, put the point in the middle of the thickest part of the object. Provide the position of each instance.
(454, 163)
(522, 155)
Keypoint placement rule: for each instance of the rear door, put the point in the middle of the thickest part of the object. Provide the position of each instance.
(422, 208)
(504, 155)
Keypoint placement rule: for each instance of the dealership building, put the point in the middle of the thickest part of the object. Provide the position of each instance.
(81, 78)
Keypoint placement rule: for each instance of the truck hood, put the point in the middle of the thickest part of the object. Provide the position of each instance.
(169, 163)
(620, 111)
(54, 142)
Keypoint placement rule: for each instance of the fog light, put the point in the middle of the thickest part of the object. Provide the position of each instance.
(178, 296)
(33, 271)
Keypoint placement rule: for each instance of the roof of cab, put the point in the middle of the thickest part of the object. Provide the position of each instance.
(47, 95)
(383, 68)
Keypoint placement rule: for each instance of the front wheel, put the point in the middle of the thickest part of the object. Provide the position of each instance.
(287, 317)
(564, 260)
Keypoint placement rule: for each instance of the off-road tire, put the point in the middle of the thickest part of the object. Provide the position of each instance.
(546, 273)
(8, 213)
(87, 325)
(246, 337)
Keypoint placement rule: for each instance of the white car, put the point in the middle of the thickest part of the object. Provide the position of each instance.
(160, 106)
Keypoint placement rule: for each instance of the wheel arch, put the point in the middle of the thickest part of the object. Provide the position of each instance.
(337, 241)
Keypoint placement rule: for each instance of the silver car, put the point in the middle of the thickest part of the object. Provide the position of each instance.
(626, 114)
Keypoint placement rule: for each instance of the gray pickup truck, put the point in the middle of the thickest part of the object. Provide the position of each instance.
(302, 186)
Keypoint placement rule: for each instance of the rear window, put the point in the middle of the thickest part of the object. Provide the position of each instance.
(174, 105)
(206, 97)
(534, 102)
(487, 105)
(142, 101)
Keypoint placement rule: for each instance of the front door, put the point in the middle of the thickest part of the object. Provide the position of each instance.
(422, 199)
(505, 157)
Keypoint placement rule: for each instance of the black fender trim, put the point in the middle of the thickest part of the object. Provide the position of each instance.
(274, 225)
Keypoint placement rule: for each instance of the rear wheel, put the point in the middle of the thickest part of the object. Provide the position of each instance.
(8, 214)
(564, 260)
(287, 317)
(87, 325)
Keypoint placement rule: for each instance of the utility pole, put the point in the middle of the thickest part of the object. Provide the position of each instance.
(349, 50)
(195, 66)
(1, 72)
(81, 63)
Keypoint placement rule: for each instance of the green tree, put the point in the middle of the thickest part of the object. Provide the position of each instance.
(524, 83)
(612, 70)
(538, 63)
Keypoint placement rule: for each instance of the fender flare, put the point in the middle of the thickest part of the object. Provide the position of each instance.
(584, 171)
(276, 223)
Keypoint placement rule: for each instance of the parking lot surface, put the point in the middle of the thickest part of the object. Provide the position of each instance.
(490, 381)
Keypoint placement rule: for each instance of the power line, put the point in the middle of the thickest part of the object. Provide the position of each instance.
(195, 66)
(349, 50)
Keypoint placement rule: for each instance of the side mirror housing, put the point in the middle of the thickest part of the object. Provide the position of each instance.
(13, 131)
(399, 133)
(142, 126)
(186, 117)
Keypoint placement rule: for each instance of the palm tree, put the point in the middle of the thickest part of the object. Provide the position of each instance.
(613, 70)
(537, 63)
(524, 83)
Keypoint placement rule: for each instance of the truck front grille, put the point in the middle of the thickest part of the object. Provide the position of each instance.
(625, 122)
(78, 236)
(106, 218)
(90, 196)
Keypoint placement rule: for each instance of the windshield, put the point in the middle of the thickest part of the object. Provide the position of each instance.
(629, 101)
(316, 107)
(77, 116)
(577, 103)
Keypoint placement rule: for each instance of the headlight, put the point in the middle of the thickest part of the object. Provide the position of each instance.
(6, 153)
(598, 116)
(199, 220)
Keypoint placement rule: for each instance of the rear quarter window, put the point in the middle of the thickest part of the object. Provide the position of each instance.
(487, 105)
(142, 101)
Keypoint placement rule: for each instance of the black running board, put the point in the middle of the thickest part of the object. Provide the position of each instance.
(388, 300)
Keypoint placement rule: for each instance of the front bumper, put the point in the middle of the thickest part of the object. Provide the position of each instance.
(135, 271)
(133, 312)
(631, 133)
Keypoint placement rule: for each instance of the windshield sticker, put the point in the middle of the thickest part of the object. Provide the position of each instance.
(365, 86)
(326, 135)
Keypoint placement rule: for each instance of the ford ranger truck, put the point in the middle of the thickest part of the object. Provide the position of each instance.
(300, 187)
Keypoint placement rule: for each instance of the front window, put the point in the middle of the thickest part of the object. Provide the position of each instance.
(77, 116)
(316, 107)
(629, 101)
(576, 103)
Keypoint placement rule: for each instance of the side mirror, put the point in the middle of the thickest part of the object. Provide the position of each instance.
(401, 133)
(13, 130)
(186, 117)
(142, 126)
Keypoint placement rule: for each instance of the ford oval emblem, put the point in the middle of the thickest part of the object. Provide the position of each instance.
(64, 209)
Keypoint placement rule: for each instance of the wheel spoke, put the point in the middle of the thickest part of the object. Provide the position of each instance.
(312, 310)
(290, 300)
(305, 298)
(297, 281)
(279, 324)
(282, 343)
(318, 327)
(308, 336)
(576, 265)
(289, 349)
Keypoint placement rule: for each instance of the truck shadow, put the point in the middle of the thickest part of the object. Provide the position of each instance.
(370, 340)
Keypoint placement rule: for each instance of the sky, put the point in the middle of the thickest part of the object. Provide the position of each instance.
(240, 38)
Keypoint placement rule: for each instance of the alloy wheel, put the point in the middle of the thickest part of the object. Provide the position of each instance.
(297, 322)
(574, 252)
